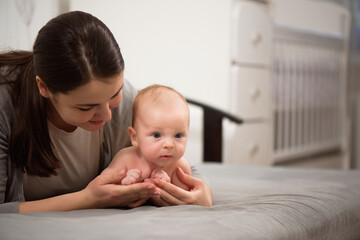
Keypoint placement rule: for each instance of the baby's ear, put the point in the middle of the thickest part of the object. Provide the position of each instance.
(132, 134)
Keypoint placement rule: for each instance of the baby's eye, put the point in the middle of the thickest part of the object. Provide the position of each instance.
(179, 135)
(156, 135)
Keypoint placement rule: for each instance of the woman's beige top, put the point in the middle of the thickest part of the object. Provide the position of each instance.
(79, 155)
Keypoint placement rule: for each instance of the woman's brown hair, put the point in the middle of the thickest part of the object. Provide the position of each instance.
(68, 51)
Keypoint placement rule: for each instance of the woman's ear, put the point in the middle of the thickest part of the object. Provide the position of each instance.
(43, 89)
(132, 134)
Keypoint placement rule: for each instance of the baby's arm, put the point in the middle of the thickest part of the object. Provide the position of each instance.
(120, 161)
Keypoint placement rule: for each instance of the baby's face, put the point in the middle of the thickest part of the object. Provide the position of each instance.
(162, 131)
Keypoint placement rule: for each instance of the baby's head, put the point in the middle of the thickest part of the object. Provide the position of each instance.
(160, 124)
(159, 95)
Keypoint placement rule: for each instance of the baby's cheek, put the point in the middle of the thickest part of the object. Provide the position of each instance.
(149, 152)
(181, 149)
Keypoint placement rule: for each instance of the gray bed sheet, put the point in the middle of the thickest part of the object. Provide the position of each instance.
(249, 203)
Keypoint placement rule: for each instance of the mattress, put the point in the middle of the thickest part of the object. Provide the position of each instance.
(249, 203)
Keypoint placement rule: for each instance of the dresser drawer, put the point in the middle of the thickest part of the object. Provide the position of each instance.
(247, 144)
(252, 31)
(250, 94)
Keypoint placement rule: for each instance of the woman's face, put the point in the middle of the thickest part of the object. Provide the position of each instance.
(88, 106)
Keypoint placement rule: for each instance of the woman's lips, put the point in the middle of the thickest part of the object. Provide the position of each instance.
(96, 122)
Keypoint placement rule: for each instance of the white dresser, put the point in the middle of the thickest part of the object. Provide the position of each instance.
(250, 83)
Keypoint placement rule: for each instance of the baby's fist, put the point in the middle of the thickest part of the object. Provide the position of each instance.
(132, 176)
(160, 174)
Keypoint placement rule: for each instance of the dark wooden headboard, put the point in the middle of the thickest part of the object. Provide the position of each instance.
(212, 135)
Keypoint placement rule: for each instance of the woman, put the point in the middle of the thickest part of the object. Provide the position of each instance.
(65, 109)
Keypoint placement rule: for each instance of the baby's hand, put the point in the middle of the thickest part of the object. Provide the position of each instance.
(132, 176)
(160, 174)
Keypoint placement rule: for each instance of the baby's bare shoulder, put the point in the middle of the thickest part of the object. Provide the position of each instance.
(184, 165)
(124, 155)
(129, 151)
(181, 163)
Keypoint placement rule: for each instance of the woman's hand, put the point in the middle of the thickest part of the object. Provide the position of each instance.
(105, 191)
(199, 193)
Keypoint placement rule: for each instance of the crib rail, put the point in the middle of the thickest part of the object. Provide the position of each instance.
(308, 93)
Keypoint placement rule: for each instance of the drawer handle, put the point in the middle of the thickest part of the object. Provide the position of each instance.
(256, 38)
(255, 93)
(253, 148)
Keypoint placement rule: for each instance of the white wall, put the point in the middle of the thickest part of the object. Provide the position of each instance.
(20, 21)
(184, 44)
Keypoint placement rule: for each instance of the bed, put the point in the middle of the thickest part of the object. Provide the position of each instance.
(249, 203)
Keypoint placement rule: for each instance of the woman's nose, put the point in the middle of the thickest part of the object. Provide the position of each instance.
(104, 112)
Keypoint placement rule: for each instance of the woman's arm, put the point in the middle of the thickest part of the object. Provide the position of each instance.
(103, 191)
(199, 194)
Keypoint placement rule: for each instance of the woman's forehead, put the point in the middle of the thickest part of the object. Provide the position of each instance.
(95, 91)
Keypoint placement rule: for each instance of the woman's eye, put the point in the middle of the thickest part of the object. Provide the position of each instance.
(84, 109)
(179, 135)
(156, 135)
(117, 94)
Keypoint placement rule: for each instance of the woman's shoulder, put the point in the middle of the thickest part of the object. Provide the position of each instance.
(5, 96)
(124, 110)
(6, 105)
(129, 90)
(115, 131)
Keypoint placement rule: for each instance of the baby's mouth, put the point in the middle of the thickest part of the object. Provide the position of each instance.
(165, 157)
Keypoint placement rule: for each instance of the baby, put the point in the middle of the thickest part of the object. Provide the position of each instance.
(158, 135)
